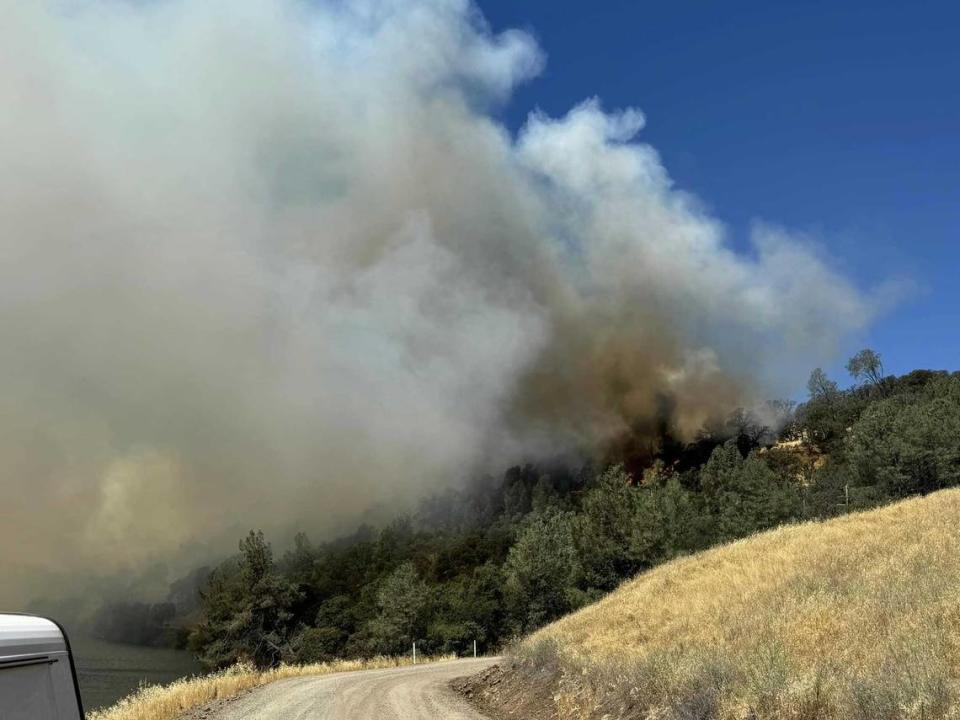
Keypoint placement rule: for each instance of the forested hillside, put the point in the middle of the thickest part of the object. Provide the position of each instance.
(507, 556)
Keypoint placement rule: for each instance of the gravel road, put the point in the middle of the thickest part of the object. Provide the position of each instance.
(420, 692)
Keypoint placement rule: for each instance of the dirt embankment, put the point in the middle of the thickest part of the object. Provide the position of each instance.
(512, 691)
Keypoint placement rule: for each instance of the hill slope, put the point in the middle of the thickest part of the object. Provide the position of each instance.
(855, 617)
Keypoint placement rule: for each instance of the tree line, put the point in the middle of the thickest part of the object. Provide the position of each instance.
(503, 558)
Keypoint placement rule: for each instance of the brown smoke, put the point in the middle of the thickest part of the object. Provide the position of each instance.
(265, 265)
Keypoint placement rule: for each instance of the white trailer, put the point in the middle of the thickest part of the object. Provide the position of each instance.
(38, 680)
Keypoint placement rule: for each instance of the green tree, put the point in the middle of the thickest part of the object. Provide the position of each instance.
(469, 608)
(541, 571)
(829, 492)
(603, 530)
(908, 445)
(825, 417)
(299, 563)
(313, 645)
(745, 495)
(667, 523)
(403, 601)
(820, 386)
(248, 610)
(866, 366)
(721, 469)
(544, 495)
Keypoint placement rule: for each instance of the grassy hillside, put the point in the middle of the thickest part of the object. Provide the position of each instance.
(857, 617)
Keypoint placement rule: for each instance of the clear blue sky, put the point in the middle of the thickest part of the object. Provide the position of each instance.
(839, 119)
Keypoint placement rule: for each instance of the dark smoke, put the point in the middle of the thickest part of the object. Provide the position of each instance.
(270, 263)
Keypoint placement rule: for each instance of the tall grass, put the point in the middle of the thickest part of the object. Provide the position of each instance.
(168, 702)
(858, 617)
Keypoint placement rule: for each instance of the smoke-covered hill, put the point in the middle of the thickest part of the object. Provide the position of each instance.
(510, 555)
(279, 264)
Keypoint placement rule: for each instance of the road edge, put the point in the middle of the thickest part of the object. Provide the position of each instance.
(510, 690)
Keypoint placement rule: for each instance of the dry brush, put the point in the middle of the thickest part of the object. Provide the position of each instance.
(858, 617)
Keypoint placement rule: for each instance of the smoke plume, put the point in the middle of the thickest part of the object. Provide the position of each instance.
(268, 263)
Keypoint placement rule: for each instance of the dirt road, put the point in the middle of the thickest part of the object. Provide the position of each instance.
(412, 693)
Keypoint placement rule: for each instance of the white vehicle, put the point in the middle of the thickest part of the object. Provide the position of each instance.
(38, 680)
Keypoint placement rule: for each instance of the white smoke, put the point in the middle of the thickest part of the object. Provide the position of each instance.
(266, 263)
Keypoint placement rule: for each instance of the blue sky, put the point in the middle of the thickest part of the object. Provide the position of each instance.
(840, 120)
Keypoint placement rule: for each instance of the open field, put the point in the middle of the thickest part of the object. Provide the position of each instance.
(168, 702)
(858, 617)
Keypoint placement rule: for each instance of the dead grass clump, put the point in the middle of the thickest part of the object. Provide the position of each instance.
(168, 702)
(858, 617)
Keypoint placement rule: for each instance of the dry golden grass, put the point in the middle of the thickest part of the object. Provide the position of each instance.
(168, 702)
(858, 617)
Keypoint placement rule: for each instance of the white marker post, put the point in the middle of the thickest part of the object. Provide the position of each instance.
(474, 649)
(414, 652)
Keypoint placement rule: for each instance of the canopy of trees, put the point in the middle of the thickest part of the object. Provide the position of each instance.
(506, 557)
